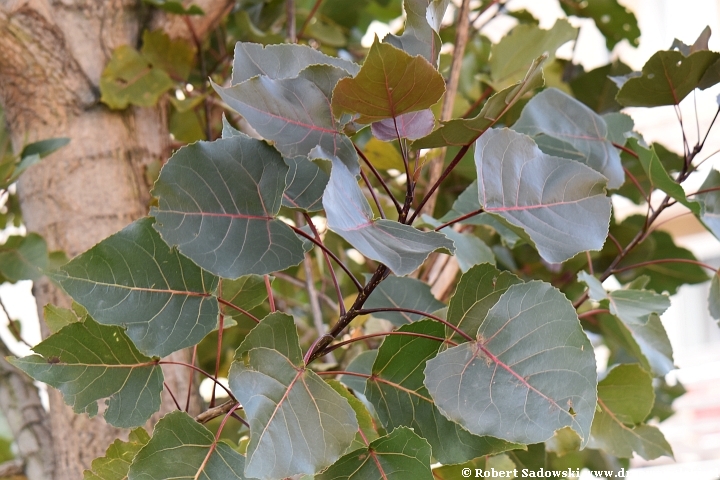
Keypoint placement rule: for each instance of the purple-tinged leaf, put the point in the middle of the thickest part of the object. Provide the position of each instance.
(389, 84)
(530, 372)
(552, 113)
(280, 61)
(218, 200)
(560, 203)
(412, 126)
(293, 113)
(400, 247)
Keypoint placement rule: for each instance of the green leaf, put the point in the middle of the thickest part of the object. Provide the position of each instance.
(130, 78)
(619, 125)
(530, 352)
(118, 457)
(245, 292)
(365, 421)
(387, 86)
(397, 456)
(400, 292)
(555, 114)
(383, 156)
(667, 78)
(422, 24)
(511, 57)
(401, 247)
(175, 56)
(633, 307)
(659, 177)
(613, 20)
(77, 361)
(397, 392)
(469, 249)
(596, 90)
(478, 290)
(294, 113)
(561, 204)
(43, 148)
(176, 7)
(134, 280)
(181, 448)
(361, 364)
(486, 464)
(56, 317)
(625, 398)
(306, 182)
(23, 257)
(280, 62)
(412, 126)
(710, 202)
(290, 409)
(218, 201)
(468, 202)
(462, 131)
(714, 297)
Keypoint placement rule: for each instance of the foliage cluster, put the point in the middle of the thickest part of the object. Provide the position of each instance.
(298, 261)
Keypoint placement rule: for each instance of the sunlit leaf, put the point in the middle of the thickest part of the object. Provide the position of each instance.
(560, 203)
(530, 372)
(212, 195)
(412, 126)
(400, 455)
(174, 56)
(77, 361)
(118, 457)
(382, 155)
(512, 56)
(625, 398)
(401, 247)
(56, 317)
(389, 84)
(129, 78)
(400, 292)
(294, 113)
(555, 114)
(613, 20)
(280, 61)
(478, 290)
(465, 131)
(181, 448)
(667, 78)
(397, 392)
(298, 423)
(134, 280)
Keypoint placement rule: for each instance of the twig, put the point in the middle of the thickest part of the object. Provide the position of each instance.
(203, 75)
(309, 17)
(372, 193)
(290, 11)
(338, 292)
(241, 310)
(271, 297)
(379, 177)
(199, 370)
(331, 254)
(12, 327)
(665, 260)
(215, 412)
(190, 380)
(172, 395)
(460, 219)
(218, 356)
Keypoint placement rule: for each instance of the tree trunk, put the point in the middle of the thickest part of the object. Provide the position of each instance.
(52, 53)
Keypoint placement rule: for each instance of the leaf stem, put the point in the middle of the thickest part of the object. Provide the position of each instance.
(271, 297)
(485, 94)
(331, 254)
(418, 312)
(384, 334)
(309, 17)
(379, 177)
(12, 327)
(197, 369)
(372, 193)
(172, 395)
(243, 311)
(218, 355)
(705, 190)
(590, 313)
(190, 380)
(460, 219)
(626, 150)
(338, 292)
(215, 412)
(665, 260)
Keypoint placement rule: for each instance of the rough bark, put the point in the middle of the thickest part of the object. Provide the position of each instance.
(52, 53)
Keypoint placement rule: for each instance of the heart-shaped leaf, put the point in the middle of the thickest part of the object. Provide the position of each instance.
(217, 202)
(181, 448)
(555, 114)
(667, 78)
(530, 372)
(397, 392)
(401, 247)
(389, 84)
(280, 61)
(625, 398)
(411, 125)
(560, 203)
(298, 423)
(118, 457)
(400, 292)
(294, 113)
(134, 280)
(397, 456)
(463, 131)
(77, 361)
